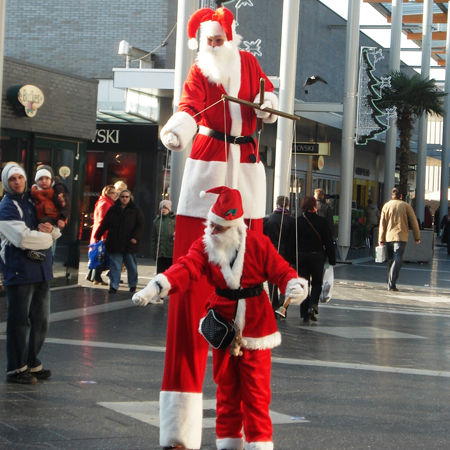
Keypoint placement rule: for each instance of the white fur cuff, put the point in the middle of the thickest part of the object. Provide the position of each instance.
(183, 126)
(164, 283)
(230, 443)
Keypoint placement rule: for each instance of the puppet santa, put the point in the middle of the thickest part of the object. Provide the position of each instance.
(236, 261)
(224, 152)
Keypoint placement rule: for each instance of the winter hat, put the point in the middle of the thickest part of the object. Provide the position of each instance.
(8, 171)
(227, 211)
(166, 203)
(44, 171)
(213, 23)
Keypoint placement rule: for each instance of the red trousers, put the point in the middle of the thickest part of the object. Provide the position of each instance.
(243, 395)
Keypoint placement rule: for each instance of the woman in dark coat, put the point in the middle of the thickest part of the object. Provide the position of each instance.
(445, 224)
(310, 244)
(125, 223)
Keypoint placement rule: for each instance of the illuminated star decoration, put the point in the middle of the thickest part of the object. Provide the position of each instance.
(385, 82)
(254, 47)
(391, 113)
(377, 55)
(243, 3)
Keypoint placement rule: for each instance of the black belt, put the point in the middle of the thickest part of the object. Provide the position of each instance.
(237, 294)
(236, 140)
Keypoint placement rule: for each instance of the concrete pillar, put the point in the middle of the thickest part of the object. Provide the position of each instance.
(348, 128)
(291, 9)
(2, 43)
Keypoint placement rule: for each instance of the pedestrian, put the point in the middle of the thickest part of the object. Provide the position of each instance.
(104, 202)
(161, 247)
(394, 232)
(310, 245)
(428, 217)
(372, 215)
(445, 227)
(124, 222)
(224, 152)
(120, 186)
(437, 220)
(277, 227)
(27, 280)
(236, 261)
(324, 209)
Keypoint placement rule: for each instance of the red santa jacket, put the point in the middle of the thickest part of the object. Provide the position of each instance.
(212, 162)
(257, 261)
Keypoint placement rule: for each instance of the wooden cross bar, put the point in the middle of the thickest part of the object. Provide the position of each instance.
(258, 105)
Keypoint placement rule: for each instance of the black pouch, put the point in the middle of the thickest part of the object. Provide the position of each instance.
(217, 331)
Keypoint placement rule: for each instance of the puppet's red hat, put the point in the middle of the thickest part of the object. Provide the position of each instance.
(214, 23)
(227, 210)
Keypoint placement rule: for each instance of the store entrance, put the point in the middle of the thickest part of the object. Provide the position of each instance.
(60, 156)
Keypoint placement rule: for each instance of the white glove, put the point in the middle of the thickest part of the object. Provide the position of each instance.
(298, 292)
(263, 114)
(143, 297)
(171, 140)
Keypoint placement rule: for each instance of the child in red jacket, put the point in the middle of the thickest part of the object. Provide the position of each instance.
(52, 201)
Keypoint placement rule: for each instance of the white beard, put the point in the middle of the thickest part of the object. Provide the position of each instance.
(219, 64)
(221, 248)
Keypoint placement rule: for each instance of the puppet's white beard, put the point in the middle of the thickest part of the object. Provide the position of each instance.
(222, 247)
(219, 64)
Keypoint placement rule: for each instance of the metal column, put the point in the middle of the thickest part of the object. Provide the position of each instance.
(446, 136)
(423, 121)
(289, 38)
(184, 58)
(348, 128)
(391, 135)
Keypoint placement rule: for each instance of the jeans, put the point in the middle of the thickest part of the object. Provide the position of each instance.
(115, 266)
(395, 252)
(26, 324)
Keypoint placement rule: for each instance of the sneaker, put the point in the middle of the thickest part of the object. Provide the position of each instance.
(112, 291)
(21, 378)
(35, 255)
(42, 374)
(99, 283)
(133, 289)
(156, 301)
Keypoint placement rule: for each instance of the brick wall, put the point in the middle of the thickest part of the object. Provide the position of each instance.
(69, 108)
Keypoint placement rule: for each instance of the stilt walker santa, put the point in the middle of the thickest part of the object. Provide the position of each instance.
(223, 153)
(236, 261)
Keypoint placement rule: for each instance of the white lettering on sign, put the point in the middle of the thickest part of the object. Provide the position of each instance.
(106, 136)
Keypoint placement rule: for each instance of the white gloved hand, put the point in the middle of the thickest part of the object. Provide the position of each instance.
(143, 297)
(171, 140)
(263, 114)
(298, 292)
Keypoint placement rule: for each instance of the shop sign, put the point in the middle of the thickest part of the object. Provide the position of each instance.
(64, 171)
(28, 96)
(311, 148)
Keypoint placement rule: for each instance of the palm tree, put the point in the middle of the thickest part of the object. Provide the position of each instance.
(412, 96)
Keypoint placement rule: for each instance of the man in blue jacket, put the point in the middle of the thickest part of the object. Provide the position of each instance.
(26, 278)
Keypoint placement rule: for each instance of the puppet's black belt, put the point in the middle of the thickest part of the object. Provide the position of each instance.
(237, 294)
(237, 140)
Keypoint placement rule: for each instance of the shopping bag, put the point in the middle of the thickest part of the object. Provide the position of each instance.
(380, 254)
(98, 256)
(327, 285)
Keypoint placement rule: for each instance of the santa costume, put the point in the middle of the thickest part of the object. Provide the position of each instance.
(224, 152)
(236, 261)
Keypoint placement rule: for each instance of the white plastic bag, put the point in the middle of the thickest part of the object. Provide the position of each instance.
(327, 285)
(380, 254)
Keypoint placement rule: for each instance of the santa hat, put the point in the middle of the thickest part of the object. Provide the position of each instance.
(227, 211)
(213, 23)
(166, 203)
(44, 171)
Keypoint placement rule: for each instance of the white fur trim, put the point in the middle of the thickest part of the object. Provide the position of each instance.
(303, 283)
(192, 44)
(273, 99)
(263, 343)
(203, 175)
(225, 223)
(180, 417)
(183, 126)
(258, 446)
(165, 285)
(230, 444)
(240, 315)
(211, 28)
(233, 274)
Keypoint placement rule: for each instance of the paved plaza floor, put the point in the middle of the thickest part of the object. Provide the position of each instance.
(373, 373)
